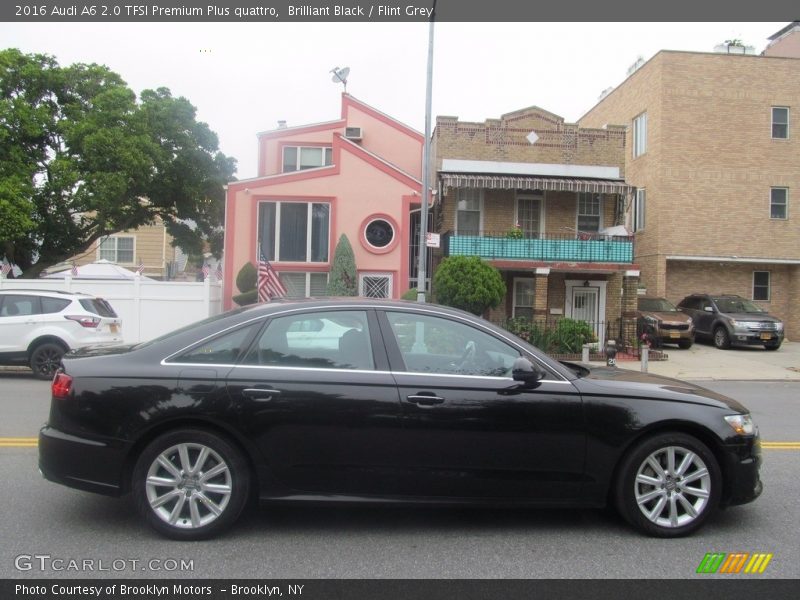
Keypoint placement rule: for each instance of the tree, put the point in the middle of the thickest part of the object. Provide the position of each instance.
(343, 279)
(468, 283)
(81, 158)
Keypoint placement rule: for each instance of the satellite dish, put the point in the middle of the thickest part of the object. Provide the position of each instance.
(340, 76)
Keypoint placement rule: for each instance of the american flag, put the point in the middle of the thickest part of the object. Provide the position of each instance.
(206, 270)
(74, 270)
(219, 271)
(140, 268)
(6, 268)
(269, 284)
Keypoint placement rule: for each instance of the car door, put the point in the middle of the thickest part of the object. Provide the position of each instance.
(470, 430)
(18, 313)
(316, 397)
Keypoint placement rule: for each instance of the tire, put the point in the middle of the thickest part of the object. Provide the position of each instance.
(772, 346)
(722, 338)
(685, 344)
(183, 505)
(661, 502)
(46, 359)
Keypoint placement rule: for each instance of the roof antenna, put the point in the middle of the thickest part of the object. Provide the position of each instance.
(340, 76)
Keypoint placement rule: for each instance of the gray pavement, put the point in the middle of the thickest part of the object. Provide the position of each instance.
(705, 362)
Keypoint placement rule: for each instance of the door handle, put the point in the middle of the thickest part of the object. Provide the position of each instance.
(424, 399)
(261, 394)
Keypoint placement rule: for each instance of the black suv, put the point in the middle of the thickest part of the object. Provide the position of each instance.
(729, 319)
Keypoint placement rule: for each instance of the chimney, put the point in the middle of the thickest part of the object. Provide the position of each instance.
(281, 124)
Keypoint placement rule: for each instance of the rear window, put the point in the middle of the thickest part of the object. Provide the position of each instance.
(98, 306)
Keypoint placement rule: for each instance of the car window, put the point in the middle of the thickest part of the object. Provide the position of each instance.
(17, 305)
(656, 305)
(737, 305)
(224, 349)
(54, 305)
(323, 340)
(98, 306)
(430, 344)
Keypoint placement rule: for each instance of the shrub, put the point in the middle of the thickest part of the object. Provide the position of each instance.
(343, 279)
(468, 283)
(247, 278)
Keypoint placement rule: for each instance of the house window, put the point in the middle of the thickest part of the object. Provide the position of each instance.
(778, 203)
(589, 212)
(117, 249)
(523, 298)
(468, 211)
(639, 210)
(304, 285)
(375, 285)
(529, 215)
(297, 158)
(294, 231)
(760, 285)
(780, 122)
(640, 135)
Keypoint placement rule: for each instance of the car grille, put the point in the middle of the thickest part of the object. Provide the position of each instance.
(675, 326)
(766, 326)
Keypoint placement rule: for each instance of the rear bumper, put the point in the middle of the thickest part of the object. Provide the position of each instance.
(92, 465)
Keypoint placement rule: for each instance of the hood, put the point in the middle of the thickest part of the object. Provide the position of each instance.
(665, 316)
(752, 316)
(613, 381)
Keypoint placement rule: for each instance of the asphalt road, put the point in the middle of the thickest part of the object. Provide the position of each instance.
(42, 519)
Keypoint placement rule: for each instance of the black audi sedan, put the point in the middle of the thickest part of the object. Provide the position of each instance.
(356, 400)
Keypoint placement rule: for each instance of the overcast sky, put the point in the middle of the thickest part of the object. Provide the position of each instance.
(244, 77)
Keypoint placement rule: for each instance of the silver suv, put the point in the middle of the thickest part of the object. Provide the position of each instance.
(37, 327)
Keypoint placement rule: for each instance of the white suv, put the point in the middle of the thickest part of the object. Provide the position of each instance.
(37, 327)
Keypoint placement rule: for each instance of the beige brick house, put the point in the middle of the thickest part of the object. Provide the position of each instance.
(713, 151)
(544, 201)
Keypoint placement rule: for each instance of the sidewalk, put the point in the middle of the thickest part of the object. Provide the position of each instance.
(704, 361)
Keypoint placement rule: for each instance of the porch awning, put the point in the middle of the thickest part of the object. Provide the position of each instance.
(528, 182)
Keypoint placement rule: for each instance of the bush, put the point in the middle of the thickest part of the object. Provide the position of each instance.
(246, 298)
(468, 283)
(411, 294)
(247, 278)
(343, 280)
(567, 336)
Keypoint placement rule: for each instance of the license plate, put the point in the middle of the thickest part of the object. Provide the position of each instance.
(674, 334)
(114, 328)
(766, 336)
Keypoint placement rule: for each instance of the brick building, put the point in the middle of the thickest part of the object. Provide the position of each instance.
(544, 201)
(713, 152)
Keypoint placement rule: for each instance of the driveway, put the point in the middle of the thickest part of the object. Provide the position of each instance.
(704, 361)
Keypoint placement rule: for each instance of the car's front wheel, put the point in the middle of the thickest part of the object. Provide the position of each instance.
(685, 344)
(668, 485)
(46, 359)
(722, 338)
(772, 346)
(190, 484)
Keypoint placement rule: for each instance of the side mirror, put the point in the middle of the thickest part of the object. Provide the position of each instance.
(708, 309)
(526, 372)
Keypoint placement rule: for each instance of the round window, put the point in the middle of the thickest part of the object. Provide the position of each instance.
(379, 233)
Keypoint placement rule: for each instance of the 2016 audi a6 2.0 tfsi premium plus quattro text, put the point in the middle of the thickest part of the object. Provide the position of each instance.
(413, 403)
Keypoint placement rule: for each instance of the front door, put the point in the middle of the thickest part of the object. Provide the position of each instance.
(584, 304)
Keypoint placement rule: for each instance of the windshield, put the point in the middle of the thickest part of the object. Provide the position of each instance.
(656, 305)
(736, 305)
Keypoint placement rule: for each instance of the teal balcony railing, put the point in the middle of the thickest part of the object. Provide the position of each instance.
(553, 248)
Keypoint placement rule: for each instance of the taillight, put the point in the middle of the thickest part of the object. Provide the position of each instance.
(61, 386)
(84, 321)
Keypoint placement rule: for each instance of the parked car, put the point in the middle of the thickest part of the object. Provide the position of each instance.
(37, 327)
(728, 320)
(416, 403)
(661, 322)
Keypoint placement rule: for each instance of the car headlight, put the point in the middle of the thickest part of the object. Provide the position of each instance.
(778, 326)
(741, 424)
(745, 324)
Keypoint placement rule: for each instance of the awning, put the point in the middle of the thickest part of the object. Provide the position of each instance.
(527, 182)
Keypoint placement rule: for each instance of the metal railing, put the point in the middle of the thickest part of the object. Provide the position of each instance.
(514, 245)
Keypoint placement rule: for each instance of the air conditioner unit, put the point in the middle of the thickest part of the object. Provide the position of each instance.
(353, 133)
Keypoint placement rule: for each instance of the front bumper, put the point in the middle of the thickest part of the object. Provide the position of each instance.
(93, 465)
(743, 481)
(751, 338)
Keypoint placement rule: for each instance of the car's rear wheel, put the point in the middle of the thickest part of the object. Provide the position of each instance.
(722, 338)
(190, 484)
(668, 485)
(46, 359)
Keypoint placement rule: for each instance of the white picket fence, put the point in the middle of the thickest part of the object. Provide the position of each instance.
(147, 308)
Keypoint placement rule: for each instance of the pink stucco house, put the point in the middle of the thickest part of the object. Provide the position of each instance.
(358, 175)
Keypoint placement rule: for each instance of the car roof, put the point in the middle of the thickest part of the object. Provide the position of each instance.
(59, 293)
(282, 304)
